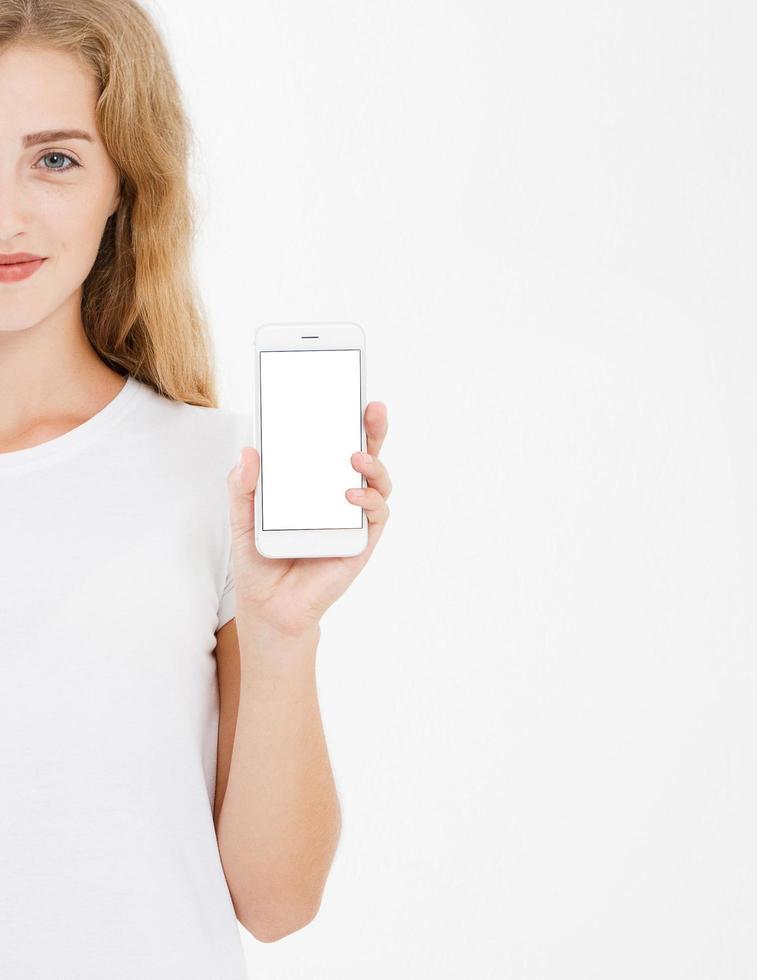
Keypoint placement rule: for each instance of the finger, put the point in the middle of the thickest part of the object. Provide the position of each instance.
(376, 422)
(241, 483)
(378, 515)
(375, 472)
(371, 501)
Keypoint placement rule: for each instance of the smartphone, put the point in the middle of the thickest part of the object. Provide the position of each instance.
(309, 407)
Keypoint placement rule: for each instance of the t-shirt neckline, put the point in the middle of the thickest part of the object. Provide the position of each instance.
(20, 459)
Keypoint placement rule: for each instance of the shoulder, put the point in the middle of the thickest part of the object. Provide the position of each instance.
(211, 433)
(231, 430)
(199, 433)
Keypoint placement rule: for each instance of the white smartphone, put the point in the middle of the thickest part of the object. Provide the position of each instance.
(309, 407)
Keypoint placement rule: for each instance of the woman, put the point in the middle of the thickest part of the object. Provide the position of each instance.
(142, 636)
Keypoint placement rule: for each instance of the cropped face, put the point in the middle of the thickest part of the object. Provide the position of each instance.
(58, 185)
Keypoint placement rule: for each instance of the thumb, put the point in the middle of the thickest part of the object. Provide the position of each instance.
(241, 483)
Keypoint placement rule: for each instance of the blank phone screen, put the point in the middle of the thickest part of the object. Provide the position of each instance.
(310, 425)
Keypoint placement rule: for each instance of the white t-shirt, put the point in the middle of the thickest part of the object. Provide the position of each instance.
(114, 577)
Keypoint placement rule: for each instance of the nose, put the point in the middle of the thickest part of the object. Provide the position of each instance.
(14, 218)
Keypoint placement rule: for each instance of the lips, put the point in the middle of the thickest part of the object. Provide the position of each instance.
(18, 258)
(13, 272)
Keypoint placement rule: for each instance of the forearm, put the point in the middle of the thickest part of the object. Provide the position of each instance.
(279, 822)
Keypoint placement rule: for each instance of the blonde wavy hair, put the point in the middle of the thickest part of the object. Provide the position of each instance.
(141, 309)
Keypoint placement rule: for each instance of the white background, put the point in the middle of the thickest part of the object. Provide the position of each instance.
(539, 696)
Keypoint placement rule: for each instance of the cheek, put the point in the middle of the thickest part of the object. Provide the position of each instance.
(72, 220)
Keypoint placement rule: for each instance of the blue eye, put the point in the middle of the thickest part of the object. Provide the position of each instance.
(56, 153)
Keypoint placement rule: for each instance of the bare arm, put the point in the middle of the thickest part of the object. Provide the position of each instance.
(276, 810)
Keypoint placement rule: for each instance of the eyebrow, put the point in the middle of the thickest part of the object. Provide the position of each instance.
(53, 135)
